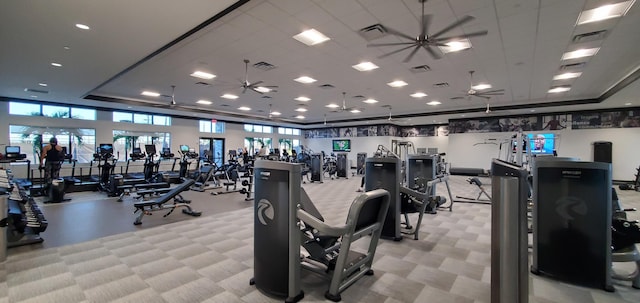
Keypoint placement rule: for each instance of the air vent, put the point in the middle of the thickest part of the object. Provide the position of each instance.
(266, 97)
(326, 86)
(202, 83)
(264, 66)
(590, 36)
(420, 69)
(39, 91)
(224, 105)
(573, 66)
(441, 84)
(373, 32)
(358, 97)
(260, 111)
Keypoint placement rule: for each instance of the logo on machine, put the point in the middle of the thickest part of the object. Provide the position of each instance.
(568, 207)
(265, 211)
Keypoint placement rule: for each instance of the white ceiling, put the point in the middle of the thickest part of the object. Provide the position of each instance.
(119, 56)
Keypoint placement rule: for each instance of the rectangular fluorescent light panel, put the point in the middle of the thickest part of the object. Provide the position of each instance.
(455, 46)
(205, 102)
(311, 37)
(300, 117)
(585, 52)
(276, 113)
(566, 76)
(397, 83)
(301, 109)
(365, 66)
(244, 108)
(370, 101)
(303, 99)
(203, 75)
(434, 102)
(305, 80)
(605, 12)
(481, 86)
(418, 95)
(355, 110)
(150, 94)
(332, 105)
(229, 96)
(559, 89)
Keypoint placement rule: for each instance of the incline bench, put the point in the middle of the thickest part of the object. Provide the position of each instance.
(146, 207)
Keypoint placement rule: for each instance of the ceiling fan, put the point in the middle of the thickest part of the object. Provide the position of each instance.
(172, 103)
(256, 87)
(479, 92)
(344, 107)
(389, 107)
(425, 40)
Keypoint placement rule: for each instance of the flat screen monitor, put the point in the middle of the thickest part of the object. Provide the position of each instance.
(184, 148)
(150, 149)
(542, 144)
(137, 150)
(166, 150)
(343, 145)
(12, 149)
(232, 153)
(106, 148)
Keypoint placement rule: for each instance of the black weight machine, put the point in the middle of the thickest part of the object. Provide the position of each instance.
(475, 181)
(188, 155)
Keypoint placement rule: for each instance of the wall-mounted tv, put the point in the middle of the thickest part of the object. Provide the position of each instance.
(343, 145)
(542, 144)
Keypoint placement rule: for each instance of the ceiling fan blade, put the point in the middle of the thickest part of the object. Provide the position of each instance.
(491, 94)
(460, 37)
(256, 84)
(453, 25)
(435, 54)
(492, 91)
(389, 44)
(411, 54)
(396, 51)
(457, 98)
(397, 33)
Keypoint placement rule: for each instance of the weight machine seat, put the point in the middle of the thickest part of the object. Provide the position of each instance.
(474, 181)
(366, 217)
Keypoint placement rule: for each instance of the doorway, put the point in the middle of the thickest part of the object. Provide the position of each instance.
(212, 149)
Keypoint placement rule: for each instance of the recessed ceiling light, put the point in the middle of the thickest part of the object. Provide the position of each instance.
(82, 26)
(276, 113)
(301, 109)
(150, 93)
(434, 102)
(481, 86)
(300, 117)
(628, 103)
(303, 99)
(418, 95)
(370, 101)
(455, 46)
(67, 48)
(262, 89)
(34, 96)
(533, 110)
(566, 76)
(463, 115)
(355, 110)
(205, 102)
(56, 64)
(559, 89)
(245, 108)
(42, 84)
(332, 105)
(397, 83)
(229, 96)
(585, 52)
(305, 80)
(202, 75)
(311, 37)
(604, 12)
(365, 66)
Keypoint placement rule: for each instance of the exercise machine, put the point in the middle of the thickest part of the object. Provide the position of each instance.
(188, 156)
(342, 166)
(25, 221)
(286, 220)
(162, 203)
(624, 236)
(317, 167)
(207, 178)
(476, 181)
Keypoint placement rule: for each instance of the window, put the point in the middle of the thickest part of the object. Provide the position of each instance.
(25, 109)
(142, 118)
(122, 117)
(83, 113)
(209, 126)
(161, 120)
(258, 128)
(80, 142)
(55, 111)
(288, 131)
(254, 145)
(124, 142)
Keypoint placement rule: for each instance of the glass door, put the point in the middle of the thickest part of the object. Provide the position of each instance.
(212, 150)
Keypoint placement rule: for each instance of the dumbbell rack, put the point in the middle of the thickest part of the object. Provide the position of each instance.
(25, 219)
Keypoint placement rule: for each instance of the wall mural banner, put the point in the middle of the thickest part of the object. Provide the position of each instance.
(378, 130)
(613, 119)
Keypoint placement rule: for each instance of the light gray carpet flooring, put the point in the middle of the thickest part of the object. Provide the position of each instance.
(209, 259)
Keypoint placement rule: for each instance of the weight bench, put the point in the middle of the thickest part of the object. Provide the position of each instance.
(146, 207)
(127, 189)
(478, 199)
(329, 247)
(142, 194)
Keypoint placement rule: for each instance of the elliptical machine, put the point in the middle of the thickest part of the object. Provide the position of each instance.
(188, 154)
(106, 165)
(150, 167)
